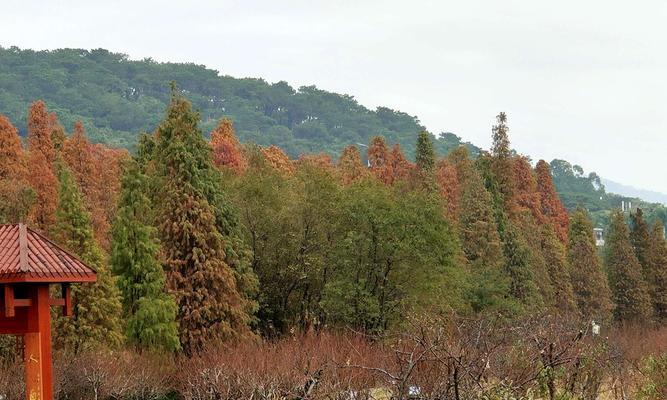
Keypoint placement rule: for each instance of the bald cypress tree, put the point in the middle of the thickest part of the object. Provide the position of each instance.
(192, 219)
(380, 161)
(629, 290)
(552, 208)
(97, 307)
(349, 165)
(149, 311)
(656, 271)
(41, 156)
(589, 283)
(16, 197)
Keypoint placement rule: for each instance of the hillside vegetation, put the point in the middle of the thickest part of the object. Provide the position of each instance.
(117, 98)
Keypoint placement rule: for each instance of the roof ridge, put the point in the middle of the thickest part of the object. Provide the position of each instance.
(23, 249)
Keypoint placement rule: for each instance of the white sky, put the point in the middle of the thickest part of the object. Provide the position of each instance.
(581, 80)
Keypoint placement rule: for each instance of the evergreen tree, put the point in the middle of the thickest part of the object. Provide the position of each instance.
(640, 240)
(502, 165)
(481, 245)
(555, 256)
(425, 157)
(517, 267)
(150, 313)
(656, 273)
(589, 283)
(192, 219)
(349, 165)
(629, 290)
(379, 159)
(551, 206)
(97, 306)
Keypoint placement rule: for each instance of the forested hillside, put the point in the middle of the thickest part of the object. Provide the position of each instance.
(117, 98)
(206, 245)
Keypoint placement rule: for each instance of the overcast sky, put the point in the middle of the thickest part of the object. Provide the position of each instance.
(581, 80)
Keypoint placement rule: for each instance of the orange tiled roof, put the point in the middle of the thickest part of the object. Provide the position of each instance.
(27, 256)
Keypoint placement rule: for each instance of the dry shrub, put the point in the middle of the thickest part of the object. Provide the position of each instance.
(295, 367)
(111, 375)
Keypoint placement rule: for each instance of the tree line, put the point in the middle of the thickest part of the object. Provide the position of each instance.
(202, 241)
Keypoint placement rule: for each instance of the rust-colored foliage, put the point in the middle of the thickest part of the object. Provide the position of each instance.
(41, 156)
(97, 170)
(39, 131)
(226, 147)
(400, 166)
(379, 159)
(16, 198)
(449, 186)
(349, 165)
(526, 197)
(58, 135)
(278, 160)
(12, 162)
(552, 208)
(321, 160)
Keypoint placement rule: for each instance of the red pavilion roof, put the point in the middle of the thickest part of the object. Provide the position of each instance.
(27, 256)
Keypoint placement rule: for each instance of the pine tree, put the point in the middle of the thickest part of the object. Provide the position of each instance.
(227, 153)
(629, 290)
(555, 256)
(349, 165)
(551, 206)
(16, 197)
(42, 178)
(425, 157)
(591, 291)
(150, 313)
(481, 245)
(97, 306)
(210, 307)
(502, 160)
(656, 273)
(379, 159)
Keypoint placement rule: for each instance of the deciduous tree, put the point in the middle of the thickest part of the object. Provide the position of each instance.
(551, 206)
(227, 152)
(379, 159)
(210, 307)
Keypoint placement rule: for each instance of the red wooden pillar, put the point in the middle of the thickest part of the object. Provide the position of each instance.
(38, 362)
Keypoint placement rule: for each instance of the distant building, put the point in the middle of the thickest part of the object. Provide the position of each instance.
(599, 236)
